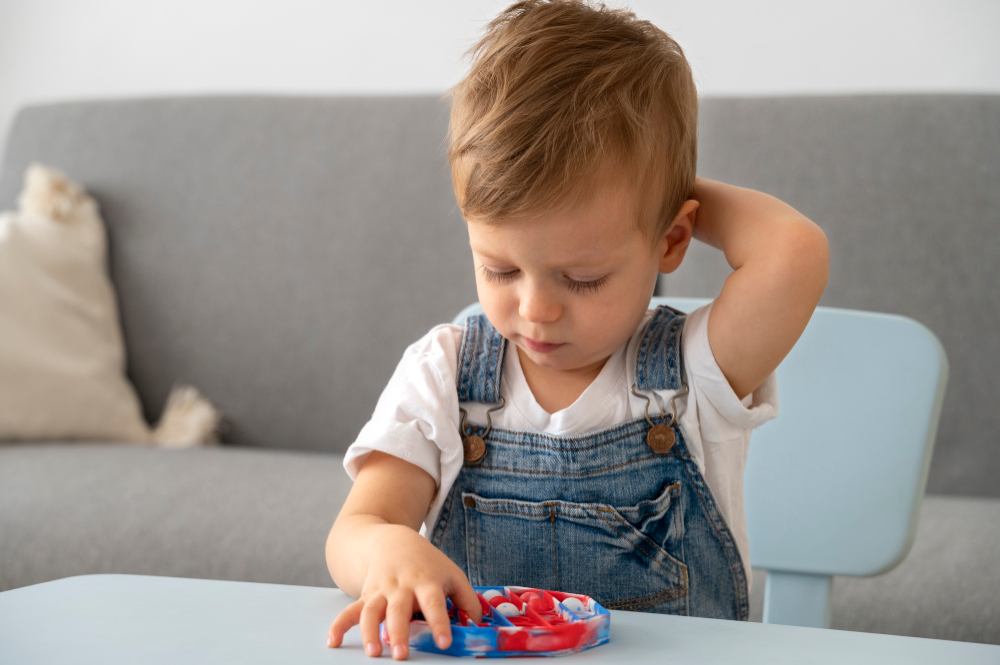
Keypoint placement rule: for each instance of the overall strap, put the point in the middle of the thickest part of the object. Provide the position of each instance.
(480, 361)
(659, 364)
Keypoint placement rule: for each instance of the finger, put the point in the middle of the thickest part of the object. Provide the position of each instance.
(397, 623)
(348, 617)
(435, 611)
(464, 596)
(371, 617)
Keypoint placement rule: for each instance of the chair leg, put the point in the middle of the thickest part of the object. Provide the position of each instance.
(797, 599)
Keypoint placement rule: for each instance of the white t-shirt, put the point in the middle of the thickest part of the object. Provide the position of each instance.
(417, 417)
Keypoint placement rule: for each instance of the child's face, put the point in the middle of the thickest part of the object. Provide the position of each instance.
(568, 288)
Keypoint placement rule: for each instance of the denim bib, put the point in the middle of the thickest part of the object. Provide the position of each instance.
(614, 514)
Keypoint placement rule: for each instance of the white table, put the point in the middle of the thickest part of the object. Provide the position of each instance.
(118, 619)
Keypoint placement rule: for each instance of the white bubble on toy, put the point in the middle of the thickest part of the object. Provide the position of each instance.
(491, 594)
(574, 605)
(508, 610)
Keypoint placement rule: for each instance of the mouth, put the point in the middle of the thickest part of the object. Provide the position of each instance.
(540, 347)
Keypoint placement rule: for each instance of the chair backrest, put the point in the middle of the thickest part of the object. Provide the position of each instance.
(834, 484)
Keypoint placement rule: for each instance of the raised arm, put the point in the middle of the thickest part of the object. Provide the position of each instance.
(781, 263)
(375, 554)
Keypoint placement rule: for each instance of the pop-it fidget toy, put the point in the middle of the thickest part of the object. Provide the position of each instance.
(519, 621)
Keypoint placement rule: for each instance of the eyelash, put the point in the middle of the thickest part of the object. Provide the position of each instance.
(573, 285)
(581, 287)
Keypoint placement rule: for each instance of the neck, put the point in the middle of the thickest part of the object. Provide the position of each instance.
(556, 389)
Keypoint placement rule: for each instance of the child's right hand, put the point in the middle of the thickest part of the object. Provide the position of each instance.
(405, 574)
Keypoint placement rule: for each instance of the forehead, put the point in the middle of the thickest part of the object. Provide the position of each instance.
(601, 228)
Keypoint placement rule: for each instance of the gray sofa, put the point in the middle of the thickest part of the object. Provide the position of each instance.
(280, 253)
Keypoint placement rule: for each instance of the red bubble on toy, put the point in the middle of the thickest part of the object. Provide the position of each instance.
(540, 605)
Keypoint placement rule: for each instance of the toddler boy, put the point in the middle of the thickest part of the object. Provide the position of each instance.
(570, 438)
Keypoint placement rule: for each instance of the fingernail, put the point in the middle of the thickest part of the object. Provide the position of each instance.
(442, 642)
(329, 641)
(370, 648)
(398, 652)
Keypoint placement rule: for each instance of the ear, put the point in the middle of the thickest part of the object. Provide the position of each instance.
(674, 243)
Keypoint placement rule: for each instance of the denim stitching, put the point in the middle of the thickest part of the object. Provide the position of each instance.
(727, 546)
(555, 552)
(473, 361)
(443, 518)
(515, 438)
(665, 326)
(471, 548)
(480, 363)
(583, 473)
(618, 437)
(476, 362)
(532, 508)
(577, 510)
(587, 513)
(516, 513)
(671, 590)
(466, 361)
(640, 361)
(671, 493)
(486, 364)
(634, 531)
(675, 362)
(648, 601)
(493, 386)
(652, 557)
(491, 368)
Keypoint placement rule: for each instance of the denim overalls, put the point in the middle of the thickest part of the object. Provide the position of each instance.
(602, 514)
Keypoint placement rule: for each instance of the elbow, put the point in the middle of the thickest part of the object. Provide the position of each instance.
(821, 254)
(811, 250)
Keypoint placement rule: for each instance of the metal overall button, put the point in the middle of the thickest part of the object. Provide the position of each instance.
(661, 437)
(474, 448)
(473, 445)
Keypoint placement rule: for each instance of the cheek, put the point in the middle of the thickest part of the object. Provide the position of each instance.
(497, 302)
(605, 320)
(614, 316)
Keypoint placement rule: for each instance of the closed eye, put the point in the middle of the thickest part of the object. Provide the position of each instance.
(494, 277)
(584, 287)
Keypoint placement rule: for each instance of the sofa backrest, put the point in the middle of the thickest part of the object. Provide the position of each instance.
(280, 253)
(277, 253)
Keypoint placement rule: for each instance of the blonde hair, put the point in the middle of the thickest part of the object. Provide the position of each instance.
(562, 93)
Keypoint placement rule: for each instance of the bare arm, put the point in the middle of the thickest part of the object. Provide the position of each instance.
(387, 492)
(375, 554)
(781, 263)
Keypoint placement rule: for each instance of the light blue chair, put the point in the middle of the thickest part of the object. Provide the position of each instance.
(834, 484)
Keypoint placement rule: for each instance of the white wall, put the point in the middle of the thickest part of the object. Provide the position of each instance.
(60, 49)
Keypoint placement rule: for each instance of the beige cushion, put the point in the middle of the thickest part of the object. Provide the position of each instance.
(62, 358)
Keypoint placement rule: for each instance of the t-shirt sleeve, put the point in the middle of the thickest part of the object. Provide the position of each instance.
(728, 416)
(416, 417)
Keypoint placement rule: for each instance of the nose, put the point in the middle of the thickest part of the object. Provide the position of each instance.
(538, 304)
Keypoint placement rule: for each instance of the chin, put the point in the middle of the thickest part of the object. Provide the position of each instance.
(555, 360)
(544, 359)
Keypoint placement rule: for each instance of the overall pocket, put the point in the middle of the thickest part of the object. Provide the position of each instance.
(621, 556)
